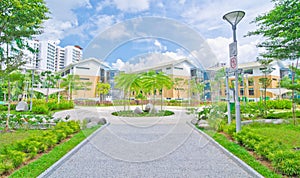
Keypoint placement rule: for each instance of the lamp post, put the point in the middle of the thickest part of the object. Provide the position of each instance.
(234, 18)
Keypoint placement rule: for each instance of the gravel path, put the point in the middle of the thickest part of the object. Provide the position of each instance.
(146, 147)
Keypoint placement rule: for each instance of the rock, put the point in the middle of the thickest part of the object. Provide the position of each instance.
(137, 110)
(102, 121)
(278, 121)
(194, 121)
(91, 124)
(203, 125)
(22, 106)
(268, 121)
(154, 111)
(149, 107)
(202, 122)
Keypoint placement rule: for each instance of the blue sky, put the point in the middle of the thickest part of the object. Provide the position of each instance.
(80, 22)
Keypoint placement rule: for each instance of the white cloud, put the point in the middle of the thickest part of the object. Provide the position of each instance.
(132, 5)
(159, 45)
(148, 60)
(220, 47)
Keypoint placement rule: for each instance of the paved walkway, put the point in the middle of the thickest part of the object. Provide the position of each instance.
(146, 147)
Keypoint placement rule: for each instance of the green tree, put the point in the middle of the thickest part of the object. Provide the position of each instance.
(266, 69)
(127, 83)
(294, 85)
(19, 20)
(70, 83)
(280, 29)
(178, 83)
(12, 77)
(102, 89)
(156, 82)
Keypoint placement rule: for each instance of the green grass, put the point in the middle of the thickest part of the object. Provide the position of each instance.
(144, 114)
(38, 166)
(287, 134)
(11, 137)
(242, 153)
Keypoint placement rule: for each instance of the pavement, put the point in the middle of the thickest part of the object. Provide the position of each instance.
(146, 147)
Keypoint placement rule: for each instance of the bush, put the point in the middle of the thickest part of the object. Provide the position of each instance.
(284, 160)
(40, 109)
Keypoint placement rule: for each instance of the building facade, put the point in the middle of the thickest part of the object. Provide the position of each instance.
(90, 72)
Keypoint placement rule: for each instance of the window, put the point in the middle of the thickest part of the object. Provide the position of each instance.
(242, 91)
(84, 79)
(85, 68)
(168, 68)
(274, 79)
(251, 91)
(178, 68)
(248, 71)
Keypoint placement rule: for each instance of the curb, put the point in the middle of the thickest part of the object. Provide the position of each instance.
(237, 160)
(58, 163)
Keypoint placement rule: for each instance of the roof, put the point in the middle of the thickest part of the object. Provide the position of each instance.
(85, 61)
(161, 65)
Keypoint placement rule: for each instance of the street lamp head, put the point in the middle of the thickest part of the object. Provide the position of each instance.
(234, 17)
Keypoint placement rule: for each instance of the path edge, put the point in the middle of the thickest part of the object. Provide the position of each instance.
(237, 160)
(58, 163)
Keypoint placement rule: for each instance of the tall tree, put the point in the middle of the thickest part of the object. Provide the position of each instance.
(70, 83)
(266, 69)
(19, 20)
(102, 89)
(292, 84)
(280, 28)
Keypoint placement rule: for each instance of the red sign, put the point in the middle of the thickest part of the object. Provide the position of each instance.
(233, 62)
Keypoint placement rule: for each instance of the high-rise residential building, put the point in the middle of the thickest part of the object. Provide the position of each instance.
(73, 54)
(60, 58)
(47, 56)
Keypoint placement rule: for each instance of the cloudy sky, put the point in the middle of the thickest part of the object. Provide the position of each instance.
(118, 31)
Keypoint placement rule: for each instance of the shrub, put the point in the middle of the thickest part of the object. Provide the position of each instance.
(40, 109)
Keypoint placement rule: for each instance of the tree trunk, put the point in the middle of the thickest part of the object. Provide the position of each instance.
(8, 110)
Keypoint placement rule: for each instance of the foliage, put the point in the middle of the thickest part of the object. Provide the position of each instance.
(283, 159)
(280, 29)
(102, 89)
(243, 154)
(70, 83)
(13, 155)
(35, 168)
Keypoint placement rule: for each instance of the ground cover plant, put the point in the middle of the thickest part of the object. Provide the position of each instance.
(35, 168)
(277, 144)
(13, 155)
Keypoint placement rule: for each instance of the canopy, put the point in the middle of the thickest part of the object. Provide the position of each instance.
(44, 90)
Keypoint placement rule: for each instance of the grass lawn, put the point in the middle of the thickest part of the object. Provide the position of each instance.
(287, 134)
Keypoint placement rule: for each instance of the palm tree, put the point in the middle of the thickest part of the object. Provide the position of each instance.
(128, 83)
(102, 89)
(156, 82)
(70, 83)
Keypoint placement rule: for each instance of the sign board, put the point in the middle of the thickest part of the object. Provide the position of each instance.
(233, 63)
(232, 49)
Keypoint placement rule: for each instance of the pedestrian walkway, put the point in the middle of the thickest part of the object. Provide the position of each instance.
(147, 147)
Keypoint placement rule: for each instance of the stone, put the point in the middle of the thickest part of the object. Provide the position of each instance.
(138, 110)
(22, 106)
(102, 121)
(154, 111)
(148, 107)
(203, 125)
(202, 122)
(91, 124)
(278, 121)
(194, 121)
